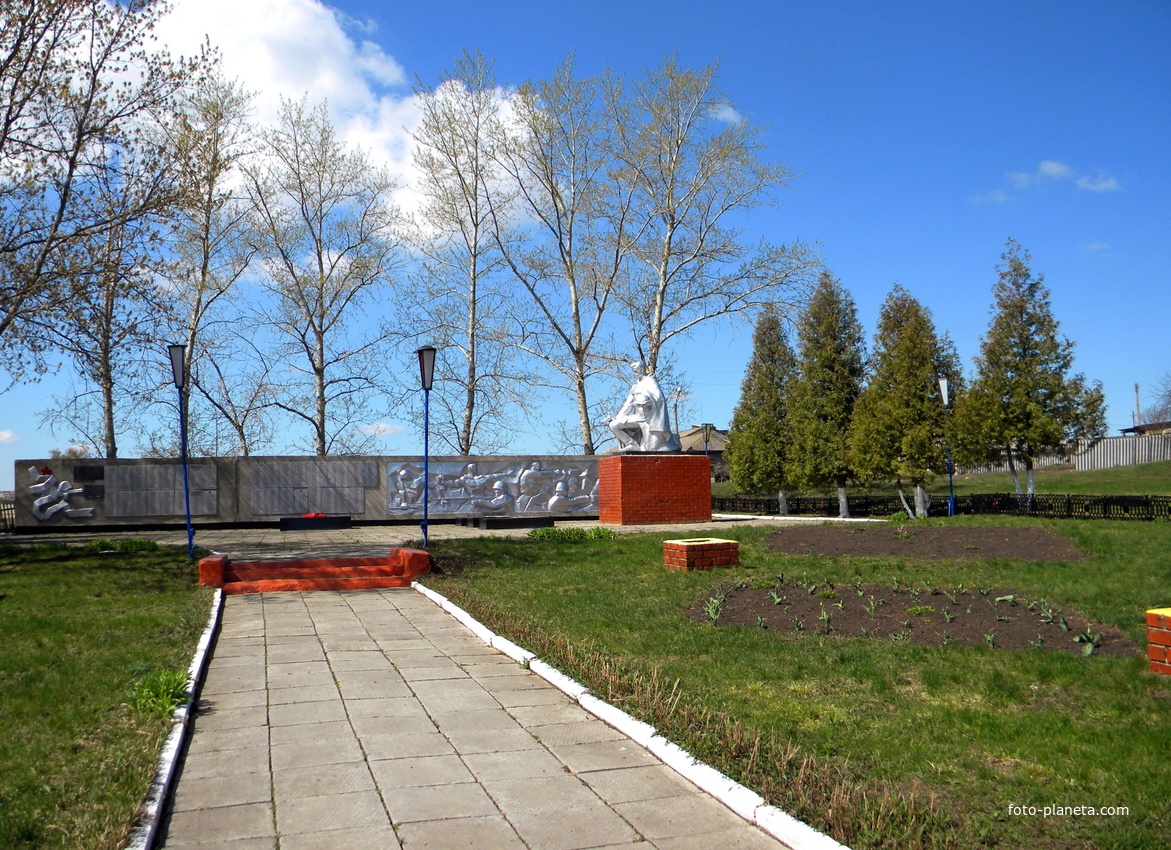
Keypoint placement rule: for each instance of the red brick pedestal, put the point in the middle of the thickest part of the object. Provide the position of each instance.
(644, 489)
(700, 553)
(1159, 639)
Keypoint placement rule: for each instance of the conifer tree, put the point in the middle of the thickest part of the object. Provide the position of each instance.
(1023, 402)
(829, 381)
(759, 437)
(898, 426)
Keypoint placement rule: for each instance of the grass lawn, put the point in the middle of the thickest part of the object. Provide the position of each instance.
(83, 636)
(879, 743)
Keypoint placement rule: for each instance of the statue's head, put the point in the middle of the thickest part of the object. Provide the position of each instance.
(500, 487)
(638, 367)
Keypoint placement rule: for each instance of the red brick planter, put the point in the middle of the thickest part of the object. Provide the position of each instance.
(700, 553)
(1159, 639)
(646, 489)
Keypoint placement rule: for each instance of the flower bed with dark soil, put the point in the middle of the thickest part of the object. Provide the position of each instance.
(997, 617)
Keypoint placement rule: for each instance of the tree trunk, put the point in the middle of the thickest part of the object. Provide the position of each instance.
(1029, 483)
(843, 501)
(903, 499)
(782, 502)
(1016, 482)
(922, 502)
(583, 410)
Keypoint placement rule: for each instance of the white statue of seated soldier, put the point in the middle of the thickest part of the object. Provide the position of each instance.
(642, 424)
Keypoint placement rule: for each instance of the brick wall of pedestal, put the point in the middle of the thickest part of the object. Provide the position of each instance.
(645, 489)
(1159, 640)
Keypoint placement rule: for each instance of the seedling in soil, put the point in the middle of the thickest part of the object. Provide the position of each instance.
(826, 618)
(969, 609)
(921, 609)
(906, 624)
(984, 591)
(1010, 599)
(829, 594)
(840, 604)
(900, 637)
(760, 623)
(858, 587)
(778, 598)
(990, 639)
(945, 640)
(916, 593)
(714, 604)
(953, 598)
(1089, 641)
(798, 624)
(948, 617)
(872, 608)
(1064, 625)
(1039, 643)
(895, 585)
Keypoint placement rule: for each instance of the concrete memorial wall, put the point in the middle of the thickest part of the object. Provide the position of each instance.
(81, 492)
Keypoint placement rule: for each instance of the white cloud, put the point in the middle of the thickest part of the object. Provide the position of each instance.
(287, 48)
(1098, 246)
(8, 437)
(1054, 170)
(1051, 170)
(727, 114)
(380, 429)
(1100, 182)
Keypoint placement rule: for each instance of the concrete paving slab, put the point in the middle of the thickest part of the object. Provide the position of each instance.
(329, 721)
(483, 833)
(358, 838)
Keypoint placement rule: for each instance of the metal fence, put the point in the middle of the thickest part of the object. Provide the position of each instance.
(1041, 505)
(7, 516)
(1122, 451)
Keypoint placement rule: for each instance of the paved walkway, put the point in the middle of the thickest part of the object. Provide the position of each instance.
(373, 719)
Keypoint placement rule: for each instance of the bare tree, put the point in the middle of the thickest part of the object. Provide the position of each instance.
(458, 298)
(77, 80)
(569, 248)
(1160, 409)
(696, 168)
(107, 322)
(327, 240)
(210, 247)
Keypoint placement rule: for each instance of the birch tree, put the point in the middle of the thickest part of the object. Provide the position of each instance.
(328, 246)
(78, 78)
(461, 294)
(210, 246)
(566, 238)
(697, 169)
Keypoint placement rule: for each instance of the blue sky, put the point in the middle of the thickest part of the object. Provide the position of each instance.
(926, 135)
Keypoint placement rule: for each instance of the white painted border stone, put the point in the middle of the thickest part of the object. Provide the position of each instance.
(743, 801)
(143, 836)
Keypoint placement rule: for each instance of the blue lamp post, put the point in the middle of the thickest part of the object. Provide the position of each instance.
(179, 373)
(951, 496)
(426, 378)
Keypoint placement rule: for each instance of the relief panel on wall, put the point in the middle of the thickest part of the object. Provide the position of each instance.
(494, 487)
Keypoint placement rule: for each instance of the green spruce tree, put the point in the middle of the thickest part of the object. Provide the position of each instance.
(898, 429)
(829, 381)
(759, 437)
(1024, 402)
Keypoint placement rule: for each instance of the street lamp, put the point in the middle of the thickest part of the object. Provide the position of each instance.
(951, 496)
(426, 378)
(707, 436)
(178, 352)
